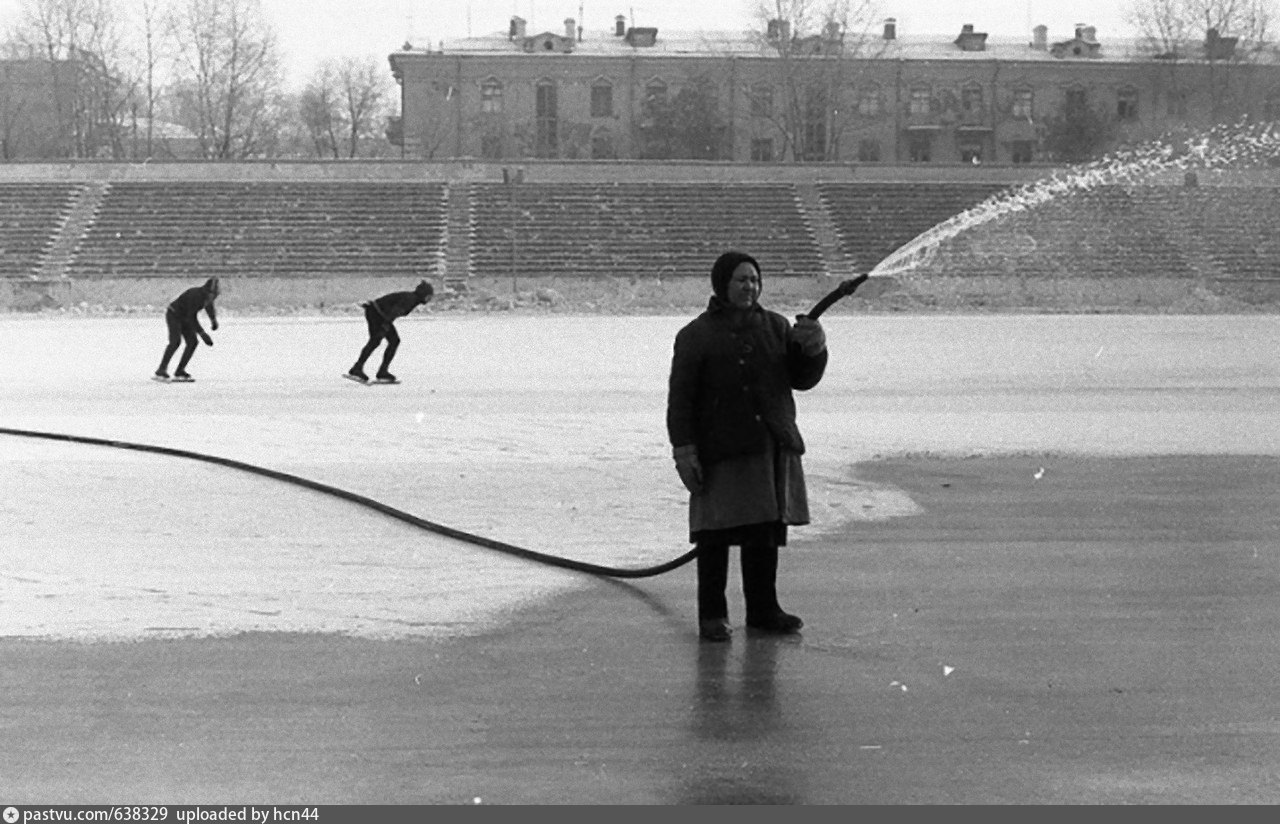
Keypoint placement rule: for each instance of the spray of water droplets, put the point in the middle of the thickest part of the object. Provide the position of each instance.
(1240, 146)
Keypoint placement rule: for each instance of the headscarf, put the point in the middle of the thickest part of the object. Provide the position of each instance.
(722, 271)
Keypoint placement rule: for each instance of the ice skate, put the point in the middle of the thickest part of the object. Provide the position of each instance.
(161, 376)
(181, 377)
(356, 375)
(385, 377)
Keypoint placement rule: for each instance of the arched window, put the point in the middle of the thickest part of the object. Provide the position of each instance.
(547, 140)
(971, 99)
(761, 97)
(491, 96)
(602, 98)
(870, 102)
(655, 91)
(1127, 103)
(1023, 103)
(921, 100)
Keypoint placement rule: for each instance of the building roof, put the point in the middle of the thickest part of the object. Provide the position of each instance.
(745, 44)
(753, 44)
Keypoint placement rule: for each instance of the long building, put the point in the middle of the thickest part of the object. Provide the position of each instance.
(772, 96)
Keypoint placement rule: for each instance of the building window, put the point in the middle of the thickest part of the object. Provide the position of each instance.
(971, 153)
(1076, 100)
(491, 146)
(920, 148)
(1020, 151)
(491, 96)
(870, 103)
(815, 125)
(971, 99)
(602, 147)
(1023, 103)
(761, 98)
(762, 149)
(869, 151)
(1127, 104)
(921, 100)
(1271, 107)
(1177, 104)
(547, 138)
(602, 99)
(655, 92)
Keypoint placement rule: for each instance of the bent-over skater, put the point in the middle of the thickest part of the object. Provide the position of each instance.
(183, 319)
(381, 314)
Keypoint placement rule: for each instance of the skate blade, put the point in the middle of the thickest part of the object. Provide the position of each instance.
(159, 379)
(353, 378)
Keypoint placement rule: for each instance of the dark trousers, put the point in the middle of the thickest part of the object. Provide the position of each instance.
(379, 329)
(179, 330)
(759, 581)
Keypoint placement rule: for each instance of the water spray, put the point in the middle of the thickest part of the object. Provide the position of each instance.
(1228, 146)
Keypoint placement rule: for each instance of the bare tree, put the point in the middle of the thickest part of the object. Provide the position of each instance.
(1177, 28)
(813, 41)
(1220, 34)
(318, 108)
(342, 107)
(82, 42)
(365, 92)
(228, 90)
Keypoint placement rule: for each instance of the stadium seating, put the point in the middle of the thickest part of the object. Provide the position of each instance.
(275, 229)
(454, 231)
(637, 229)
(30, 217)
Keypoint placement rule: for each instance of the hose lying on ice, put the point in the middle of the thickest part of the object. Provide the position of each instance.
(845, 288)
(370, 503)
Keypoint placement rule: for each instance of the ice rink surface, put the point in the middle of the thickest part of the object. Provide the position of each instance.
(542, 431)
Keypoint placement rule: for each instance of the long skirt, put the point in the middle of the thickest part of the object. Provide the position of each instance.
(750, 499)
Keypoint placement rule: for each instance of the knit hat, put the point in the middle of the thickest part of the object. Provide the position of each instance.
(423, 290)
(722, 271)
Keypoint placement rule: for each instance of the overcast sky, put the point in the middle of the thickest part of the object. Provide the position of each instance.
(310, 30)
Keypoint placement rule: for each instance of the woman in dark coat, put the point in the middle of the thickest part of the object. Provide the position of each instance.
(731, 420)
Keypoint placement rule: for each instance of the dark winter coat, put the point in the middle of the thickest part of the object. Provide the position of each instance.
(398, 304)
(731, 383)
(188, 305)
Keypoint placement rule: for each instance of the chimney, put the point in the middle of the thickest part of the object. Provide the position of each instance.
(619, 26)
(779, 30)
(1040, 38)
(890, 28)
(1217, 47)
(833, 31)
(517, 29)
(1079, 31)
(970, 40)
(1091, 34)
(570, 28)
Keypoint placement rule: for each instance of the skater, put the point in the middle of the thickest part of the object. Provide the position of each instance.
(731, 420)
(183, 320)
(381, 314)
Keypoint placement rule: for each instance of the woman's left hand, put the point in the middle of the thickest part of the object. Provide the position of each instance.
(809, 334)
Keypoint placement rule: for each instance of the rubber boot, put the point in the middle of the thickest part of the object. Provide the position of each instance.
(760, 590)
(713, 607)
